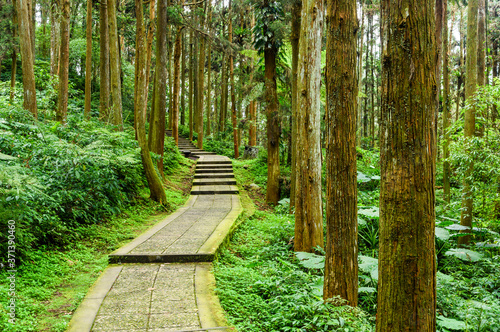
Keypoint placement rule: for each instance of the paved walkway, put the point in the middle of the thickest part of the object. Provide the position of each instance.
(161, 281)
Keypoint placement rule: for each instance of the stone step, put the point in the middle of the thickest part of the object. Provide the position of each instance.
(213, 170)
(214, 181)
(214, 176)
(214, 166)
(169, 258)
(203, 153)
(215, 190)
(212, 162)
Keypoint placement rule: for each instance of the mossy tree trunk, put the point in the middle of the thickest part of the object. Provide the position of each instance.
(407, 261)
(175, 101)
(88, 61)
(470, 117)
(154, 182)
(114, 66)
(62, 102)
(308, 201)
(103, 62)
(341, 265)
(446, 105)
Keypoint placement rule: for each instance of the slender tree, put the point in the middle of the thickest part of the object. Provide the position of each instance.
(341, 265)
(62, 107)
(103, 61)
(23, 17)
(154, 182)
(233, 88)
(407, 261)
(177, 69)
(54, 38)
(201, 88)
(88, 61)
(114, 65)
(470, 116)
(308, 201)
(446, 105)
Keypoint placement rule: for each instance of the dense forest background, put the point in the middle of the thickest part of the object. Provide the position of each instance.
(366, 132)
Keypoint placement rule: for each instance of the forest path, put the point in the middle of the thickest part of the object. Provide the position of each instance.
(161, 281)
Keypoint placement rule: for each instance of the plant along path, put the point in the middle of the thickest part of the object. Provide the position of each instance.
(161, 281)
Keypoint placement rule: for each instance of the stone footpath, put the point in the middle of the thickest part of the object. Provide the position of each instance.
(161, 281)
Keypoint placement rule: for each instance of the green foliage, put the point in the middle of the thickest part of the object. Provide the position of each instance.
(59, 178)
(264, 287)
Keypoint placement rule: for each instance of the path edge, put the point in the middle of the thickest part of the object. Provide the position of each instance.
(85, 314)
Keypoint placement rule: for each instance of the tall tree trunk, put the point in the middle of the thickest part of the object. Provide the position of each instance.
(481, 60)
(407, 261)
(32, 24)
(183, 82)
(29, 102)
(365, 113)
(446, 106)
(114, 65)
(88, 61)
(62, 107)
(201, 88)
(360, 77)
(154, 182)
(104, 62)
(341, 174)
(294, 41)
(439, 17)
(273, 123)
(149, 51)
(372, 85)
(233, 92)
(156, 137)
(253, 125)
(470, 117)
(54, 38)
(224, 97)
(13, 76)
(175, 101)
(308, 201)
(191, 85)
(209, 86)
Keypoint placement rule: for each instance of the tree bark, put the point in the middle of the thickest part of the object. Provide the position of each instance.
(13, 76)
(104, 62)
(88, 61)
(253, 125)
(294, 41)
(54, 39)
(175, 101)
(209, 86)
(470, 117)
(114, 65)
(156, 137)
(62, 104)
(446, 106)
(233, 92)
(149, 51)
(407, 261)
(341, 265)
(481, 60)
(183, 82)
(201, 88)
(308, 201)
(273, 123)
(191, 85)
(154, 182)
(29, 102)
(225, 93)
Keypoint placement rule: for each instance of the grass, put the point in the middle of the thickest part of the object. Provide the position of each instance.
(51, 283)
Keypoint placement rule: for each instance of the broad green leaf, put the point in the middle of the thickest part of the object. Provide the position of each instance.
(6, 157)
(457, 227)
(372, 212)
(363, 178)
(452, 324)
(465, 254)
(310, 260)
(367, 264)
(366, 290)
(442, 233)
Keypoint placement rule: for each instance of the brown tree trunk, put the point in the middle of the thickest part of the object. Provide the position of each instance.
(156, 137)
(54, 39)
(149, 51)
(372, 85)
(481, 60)
(13, 76)
(114, 65)
(273, 123)
(439, 17)
(360, 77)
(201, 88)
(29, 102)
(88, 61)
(341, 265)
(446, 106)
(233, 92)
(224, 97)
(470, 116)
(62, 104)
(294, 41)
(209, 86)
(154, 182)
(183, 82)
(253, 125)
(308, 201)
(407, 261)
(175, 101)
(104, 62)
(191, 85)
